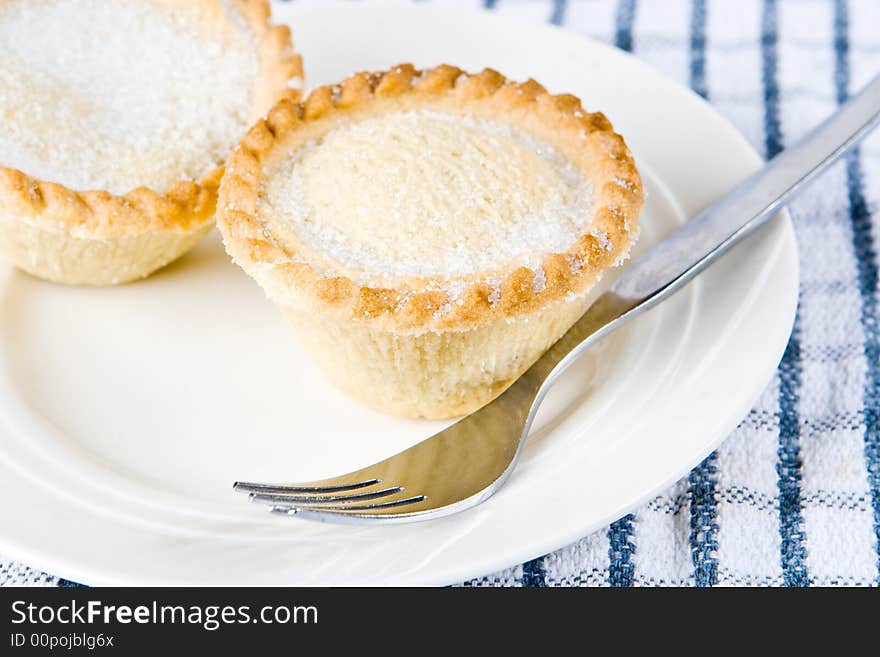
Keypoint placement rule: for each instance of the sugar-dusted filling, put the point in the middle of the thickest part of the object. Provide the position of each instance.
(427, 194)
(99, 94)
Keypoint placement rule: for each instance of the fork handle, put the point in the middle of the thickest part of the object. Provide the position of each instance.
(672, 263)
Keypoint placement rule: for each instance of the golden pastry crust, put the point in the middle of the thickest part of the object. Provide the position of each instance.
(415, 306)
(187, 205)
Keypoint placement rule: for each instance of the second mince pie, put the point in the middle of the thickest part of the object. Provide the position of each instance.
(116, 120)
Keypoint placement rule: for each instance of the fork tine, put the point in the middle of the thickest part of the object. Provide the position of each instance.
(292, 500)
(345, 509)
(249, 487)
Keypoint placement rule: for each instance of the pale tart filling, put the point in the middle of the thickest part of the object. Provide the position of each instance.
(426, 194)
(114, 95)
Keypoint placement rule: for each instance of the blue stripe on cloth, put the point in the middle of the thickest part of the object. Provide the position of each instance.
(534, 573)
(620, 551)
(698, 48)
(558, 15)
(703, 538)
(769, 77)
(866, 265)
(623, 24)
(620, 545)
(702, 481)
(788, 466)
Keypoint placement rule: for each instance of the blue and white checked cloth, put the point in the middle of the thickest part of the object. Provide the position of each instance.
(792, 498)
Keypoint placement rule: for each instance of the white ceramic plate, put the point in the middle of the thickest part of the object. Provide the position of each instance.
(127, 413)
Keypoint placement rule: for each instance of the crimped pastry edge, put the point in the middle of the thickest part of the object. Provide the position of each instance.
(618, 198)
(100, 215)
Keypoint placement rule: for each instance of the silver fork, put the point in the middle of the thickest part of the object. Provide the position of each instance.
(464, 464)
